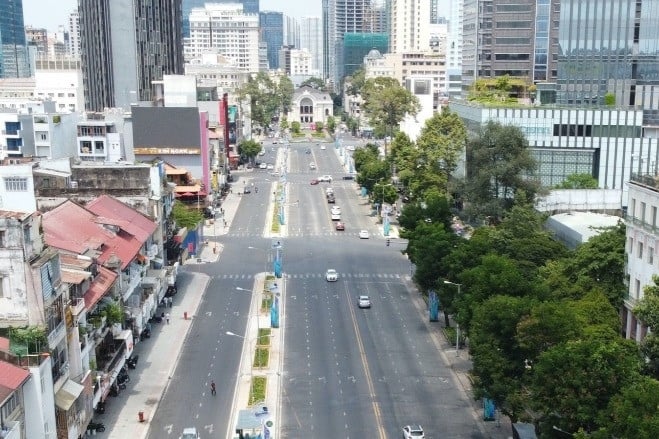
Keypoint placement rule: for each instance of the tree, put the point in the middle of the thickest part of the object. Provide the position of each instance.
(296, 127)
(285, 90)
(439, 145)
(266, 97)
(579, 181)
(647, 310)
(386, 103)
(384, 193)
(404, 158)
(633, 412)
(249, 149)
(356, 82)
(185, 217)
(573, 383)
(319, 127)
(283, 123)
(499, 165)
(314, 82)
(331, 124)
(426, 248)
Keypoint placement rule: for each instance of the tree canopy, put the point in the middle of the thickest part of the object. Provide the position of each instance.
(266, 97)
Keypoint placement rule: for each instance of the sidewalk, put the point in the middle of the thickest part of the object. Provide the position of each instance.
(261, 411)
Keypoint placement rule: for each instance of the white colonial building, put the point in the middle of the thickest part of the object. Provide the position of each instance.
(311, 106)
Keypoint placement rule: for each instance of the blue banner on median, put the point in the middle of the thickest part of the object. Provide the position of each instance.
(274, 313)
(433, 306)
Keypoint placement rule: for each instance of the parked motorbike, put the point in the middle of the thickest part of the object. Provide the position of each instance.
(145, 334)
(96, 426)
(123, 379)
(100, 408)
(132, 361)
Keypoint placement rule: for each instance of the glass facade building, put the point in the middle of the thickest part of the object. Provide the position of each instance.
(14, 62)
(272, 33)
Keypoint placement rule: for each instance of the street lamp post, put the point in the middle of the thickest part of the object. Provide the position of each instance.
(457, 324)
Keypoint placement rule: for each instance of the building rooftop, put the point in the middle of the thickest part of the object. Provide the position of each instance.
(575, 228)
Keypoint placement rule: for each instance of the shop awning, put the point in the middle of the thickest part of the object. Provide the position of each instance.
(68, 394)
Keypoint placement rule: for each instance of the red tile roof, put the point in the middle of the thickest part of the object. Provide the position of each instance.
(125, 216)
(12, 377)
(71, 227)
(101, 285)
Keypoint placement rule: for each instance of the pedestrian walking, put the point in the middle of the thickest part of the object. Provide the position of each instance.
(213, 392)
(169, 302)
(167, 317)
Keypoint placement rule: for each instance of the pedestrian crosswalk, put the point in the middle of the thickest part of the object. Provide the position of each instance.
(376, 276)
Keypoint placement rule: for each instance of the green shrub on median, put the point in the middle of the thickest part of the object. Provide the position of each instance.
(257, 390)
(261, 356)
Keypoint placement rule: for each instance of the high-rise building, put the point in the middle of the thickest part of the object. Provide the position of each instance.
(453, 84)
(125, 46)
(378, 17)
(224, 28)
(249, 7)
(37, 37)
(272, 32)
(14, 62)
(340, 17)
(501, 38)
(74, 34)
(291, 32)
(311, 38)
(410, 25)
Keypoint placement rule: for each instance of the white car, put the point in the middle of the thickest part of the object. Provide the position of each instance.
(363, 234)
(331, 275)
(350, 148)
(336, 210)
(270, 166)
(322, 147)
(262, 152)
(263, 166)
(312, 166)
(336, 217)
(364, 302)
(329, 190)
(190, 433)
(325, 178)
(413, 432)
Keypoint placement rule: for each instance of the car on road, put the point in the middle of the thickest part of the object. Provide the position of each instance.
(270, 166)
(262, 152)
(314, 181)
(340, 226)
(336, 217)
(413, 432)
(364, 302)
(274, 142)
(331, 275)
(307, 151)
(325, 178)
(329, 190)
(322, 147)
(331, 199)
(363, 234)
(263, 166)
(247, 190)
(312, 166)
(336, 210)
(190, 433)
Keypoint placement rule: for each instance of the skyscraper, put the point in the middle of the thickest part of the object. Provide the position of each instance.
(125, 46)
(272, 32)
(339, 17)
(291, 32)
(14, 61)
(311, 38)
(410, 25)
(249, 7)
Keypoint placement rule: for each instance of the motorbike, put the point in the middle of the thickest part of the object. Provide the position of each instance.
(97, 426)
(132, 361)
(123, 379)
(100, 408)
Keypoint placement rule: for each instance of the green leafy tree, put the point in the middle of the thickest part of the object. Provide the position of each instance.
(633, 412)
(264, 100)
(296, 127)
(499, 165)
(647, 310)
(579, 181)
(439, 146)
(574, 382)
(426, 248)
(319, 127)
(331, 124)
(365, 155)
(404, 158)
(185, 217)
(285, 90)
(283, 123)
(384, 193)
(314, 82)
(371, 173)
(249, 149)
(356, 82)
(386, 103)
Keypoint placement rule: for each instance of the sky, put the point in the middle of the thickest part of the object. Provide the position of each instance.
(52, 13)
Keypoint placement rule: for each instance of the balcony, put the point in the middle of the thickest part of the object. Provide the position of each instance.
(56, 335)
(13, 430)
(77, 306)
(637, 222)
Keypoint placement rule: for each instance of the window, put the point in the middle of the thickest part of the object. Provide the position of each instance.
(2, 286)
(651, 255)
(2, 238)
(640, 250)
(642, 218)
(15, 184)
(654, 216)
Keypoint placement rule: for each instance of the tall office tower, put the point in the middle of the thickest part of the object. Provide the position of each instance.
(249, 7)
(125, 45)
(325, 7)
(434, 11)
(225, 29)
(14, 60)
(610, 47)
(74, 34)
(340, 17)
(272, 32)
(378, 17)
(38, 37)
(410, 26)
(516, 39)
(454, 51)
(291, 32)
(311, 38)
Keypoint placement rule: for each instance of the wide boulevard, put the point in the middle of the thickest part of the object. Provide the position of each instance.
(347, 372)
